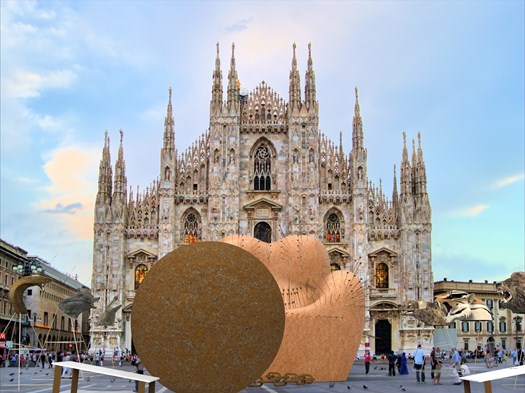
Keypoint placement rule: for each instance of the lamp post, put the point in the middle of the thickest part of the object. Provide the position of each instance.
(28, 269)
(517, 328)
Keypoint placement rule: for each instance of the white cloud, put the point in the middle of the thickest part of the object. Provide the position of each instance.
(472, 211)
(27, 84)
(507, 181)
(72, 171)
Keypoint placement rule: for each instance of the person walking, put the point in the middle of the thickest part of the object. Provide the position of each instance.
(456, 366)
(368, 358)
(419, 360)
(437, 372)
(392, 364)
(403, 368)
(432, 362)
(140, 370)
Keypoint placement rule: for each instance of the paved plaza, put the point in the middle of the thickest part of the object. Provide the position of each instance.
(36, 380)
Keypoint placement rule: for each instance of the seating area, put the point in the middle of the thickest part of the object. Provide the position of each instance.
(489, 376)
(76, 367)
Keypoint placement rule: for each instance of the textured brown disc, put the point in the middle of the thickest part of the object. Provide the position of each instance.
(208, 317)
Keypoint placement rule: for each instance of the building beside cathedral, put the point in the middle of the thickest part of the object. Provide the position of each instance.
(264, 169)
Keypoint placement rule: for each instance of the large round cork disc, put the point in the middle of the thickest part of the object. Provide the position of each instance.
(208, 317)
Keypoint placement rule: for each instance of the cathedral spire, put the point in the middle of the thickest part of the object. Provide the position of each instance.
(421, 170)
(120, 182)
(357, 132)
(406, 172)
(105, 173)
(295, 85)
(169, 126)
(216, 90)
(168, 152)
(395, 197)
(233, 84)
(309, 88)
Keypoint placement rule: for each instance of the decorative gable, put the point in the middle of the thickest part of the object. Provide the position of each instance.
(141, 256)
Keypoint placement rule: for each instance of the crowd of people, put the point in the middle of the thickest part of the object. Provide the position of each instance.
(456, 359)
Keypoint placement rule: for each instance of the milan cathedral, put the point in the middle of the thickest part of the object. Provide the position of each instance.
(264, 169)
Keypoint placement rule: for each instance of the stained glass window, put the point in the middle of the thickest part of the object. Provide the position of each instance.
(333, 229)
(382, 276)
(191, 229)
(140, 273)
(262, 170)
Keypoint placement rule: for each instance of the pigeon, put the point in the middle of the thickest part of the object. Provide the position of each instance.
(403, 389)
(11, 373)
(129, 381)
(365, 387)
(11, 380)
(112, 380)
(332, 384)
(47, 373)
(348, 387)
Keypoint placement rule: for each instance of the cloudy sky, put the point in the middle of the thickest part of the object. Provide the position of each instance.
(452, 70)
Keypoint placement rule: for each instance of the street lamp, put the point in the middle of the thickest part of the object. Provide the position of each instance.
(517, 325)
(27, 269)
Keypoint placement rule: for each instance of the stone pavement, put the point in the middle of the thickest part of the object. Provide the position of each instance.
(36, 380)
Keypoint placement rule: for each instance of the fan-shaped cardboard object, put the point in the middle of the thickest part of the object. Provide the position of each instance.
(324, 309)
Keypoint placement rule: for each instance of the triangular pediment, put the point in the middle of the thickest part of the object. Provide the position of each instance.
(141, 255)
(339, 251)
(383, 250)
(262, 203)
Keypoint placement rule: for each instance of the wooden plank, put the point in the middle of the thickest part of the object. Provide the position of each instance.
(56, 379)
(106, 371)
(496, 374)
(74, 381)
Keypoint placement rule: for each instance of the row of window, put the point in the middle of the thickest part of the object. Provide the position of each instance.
(54, 321)
(489, 326)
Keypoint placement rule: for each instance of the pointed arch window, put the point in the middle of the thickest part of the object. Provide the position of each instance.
(382, 276)
(333, 229)
(140, 273)
(191, 225)
(262, 168)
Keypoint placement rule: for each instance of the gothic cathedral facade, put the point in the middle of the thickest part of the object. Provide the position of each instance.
(264, 169)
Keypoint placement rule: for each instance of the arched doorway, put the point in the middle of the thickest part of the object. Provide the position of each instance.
(491, 345)
(263, 232)
(383, 337)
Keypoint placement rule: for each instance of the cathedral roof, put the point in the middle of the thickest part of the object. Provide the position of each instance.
(263, 106)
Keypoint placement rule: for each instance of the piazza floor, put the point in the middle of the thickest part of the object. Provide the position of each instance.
(36, 380)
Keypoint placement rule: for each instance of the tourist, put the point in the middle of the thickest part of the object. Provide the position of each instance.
(437, 372)
(367, 361)
(403, 367)
(419, 360)
(140, 370)
(456, 366)
(392, 364)
(433, 362)
(465, 370)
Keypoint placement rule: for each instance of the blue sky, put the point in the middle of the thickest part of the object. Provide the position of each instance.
(452, 70)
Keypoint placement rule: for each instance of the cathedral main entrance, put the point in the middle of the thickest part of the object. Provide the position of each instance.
(263, 232)
(383, 337)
